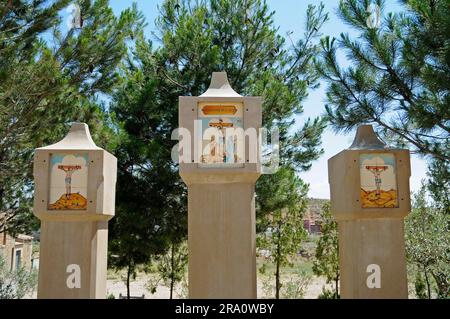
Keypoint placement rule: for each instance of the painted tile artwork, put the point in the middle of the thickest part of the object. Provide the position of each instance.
(68, 181)
(378, 180)
(220, 150)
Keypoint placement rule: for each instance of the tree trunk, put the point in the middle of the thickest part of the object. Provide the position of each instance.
(277, 272)
(277, 281)
(428, 282)
(442, 284)
(172, 270)
(128, 281)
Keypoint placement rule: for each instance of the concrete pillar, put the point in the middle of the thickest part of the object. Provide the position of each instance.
(221, 190)
(74, 199)
(370, 198)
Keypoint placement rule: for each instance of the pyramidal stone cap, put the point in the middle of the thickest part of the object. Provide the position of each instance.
(78, 138)
(220, 87)
(366, 139)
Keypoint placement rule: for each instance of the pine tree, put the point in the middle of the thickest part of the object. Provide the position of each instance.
(428, 242)
(151, 198)
(49, 78)
(196, 38)
(240, 37)
(172, 266)
(282, 200)
(399, 75)
(439, 184)
(326, 261)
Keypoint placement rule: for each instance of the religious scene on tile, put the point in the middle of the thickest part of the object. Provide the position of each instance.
(224, 149)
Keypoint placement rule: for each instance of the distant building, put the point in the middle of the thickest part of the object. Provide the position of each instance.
(312, 225)
(17, 251)
(312, 218)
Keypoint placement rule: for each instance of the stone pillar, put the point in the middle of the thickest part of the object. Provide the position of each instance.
(220, 171)
(370, 198)
(74, 199)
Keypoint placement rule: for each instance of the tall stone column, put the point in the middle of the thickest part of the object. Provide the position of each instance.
(74, 199)
(220, 174)
(370, 198)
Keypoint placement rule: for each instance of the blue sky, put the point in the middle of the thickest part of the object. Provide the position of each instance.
(290, 16)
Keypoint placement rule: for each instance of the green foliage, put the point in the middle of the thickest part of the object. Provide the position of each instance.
(428, 241)
(420, 287)
(151, 198)
(326, 261)
(44, 85)
(292, 287)
(328, 294)
(281, 204)
(399, 74)
(183, 292)
(439, 184)
(172, 266)
(16, 284)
